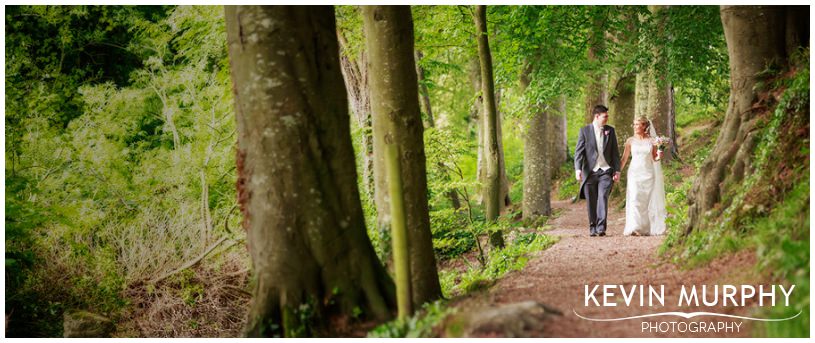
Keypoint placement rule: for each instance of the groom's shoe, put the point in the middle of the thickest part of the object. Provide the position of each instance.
(593, 234)
(601, 234)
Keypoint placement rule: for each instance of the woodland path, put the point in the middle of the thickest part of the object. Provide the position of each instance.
(557, 276)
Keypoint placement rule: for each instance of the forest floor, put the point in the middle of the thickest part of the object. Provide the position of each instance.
(556, 277)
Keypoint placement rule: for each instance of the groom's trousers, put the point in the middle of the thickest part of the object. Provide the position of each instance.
(597, 188)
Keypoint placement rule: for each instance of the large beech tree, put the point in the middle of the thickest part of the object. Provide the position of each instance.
(397, 120)
(757, 36)
(297, 184)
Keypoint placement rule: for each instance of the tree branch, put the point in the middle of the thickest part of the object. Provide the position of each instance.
(194, 261)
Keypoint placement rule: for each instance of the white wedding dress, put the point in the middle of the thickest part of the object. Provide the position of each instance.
(645, 192)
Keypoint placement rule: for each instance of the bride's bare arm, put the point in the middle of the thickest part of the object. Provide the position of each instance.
(626, 153)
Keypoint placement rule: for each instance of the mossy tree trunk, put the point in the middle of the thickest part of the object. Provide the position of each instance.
(641, 94)
(539, 145)
(395, 104)
(491, 189)
(622, 105)
(297, 183)
(478, 119)
(757, 36)
(537, 166)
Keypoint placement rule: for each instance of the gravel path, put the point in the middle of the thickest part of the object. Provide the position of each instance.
(557, 277)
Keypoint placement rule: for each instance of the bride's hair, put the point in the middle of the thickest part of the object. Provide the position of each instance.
(645, 122)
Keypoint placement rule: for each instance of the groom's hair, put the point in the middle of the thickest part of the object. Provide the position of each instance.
(599, 109)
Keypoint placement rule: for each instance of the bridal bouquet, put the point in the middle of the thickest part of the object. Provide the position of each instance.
(661, 142)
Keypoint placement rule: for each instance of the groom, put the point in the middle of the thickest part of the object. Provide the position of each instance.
(597, 166)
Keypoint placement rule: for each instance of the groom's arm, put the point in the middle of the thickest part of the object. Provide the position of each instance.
(579, 153)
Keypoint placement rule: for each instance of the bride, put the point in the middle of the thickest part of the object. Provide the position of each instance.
(645, 189)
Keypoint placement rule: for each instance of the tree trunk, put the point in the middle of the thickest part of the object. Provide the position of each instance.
(355, 74)
(659, 99)
(425, 95)
(401, 258)
(313, 262)
(478, 117)
(597, 88)
(659, 106)
(670, 131)
(562, 131)
(756, 36)
(492, 186)
(641, 94)
(622, 107)
(538, 157)
(395, 104)
(557, 132)
(502, 169)
(537, 167)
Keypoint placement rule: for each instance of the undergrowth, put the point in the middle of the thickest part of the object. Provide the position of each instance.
(455, 282)
(769, 210)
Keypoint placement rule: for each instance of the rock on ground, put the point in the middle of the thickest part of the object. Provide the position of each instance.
(86, 324)
(511, 320)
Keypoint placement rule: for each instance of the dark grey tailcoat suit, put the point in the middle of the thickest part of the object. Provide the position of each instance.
(596, 185)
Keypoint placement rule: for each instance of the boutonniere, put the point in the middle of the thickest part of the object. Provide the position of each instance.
(605, 132)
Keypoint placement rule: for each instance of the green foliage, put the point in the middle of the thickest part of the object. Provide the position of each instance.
(782, 241)
(499, 262)
(677, 218)
(349, 24)
(687, 44)
(697, 52)
(444, 35)
(451, 228)
(447, 152)
(188, 288)
(451, 235)
(100, 195)
(567, 185)
(691, 112)
(53, 49)
(552, 39)
(419, 325)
